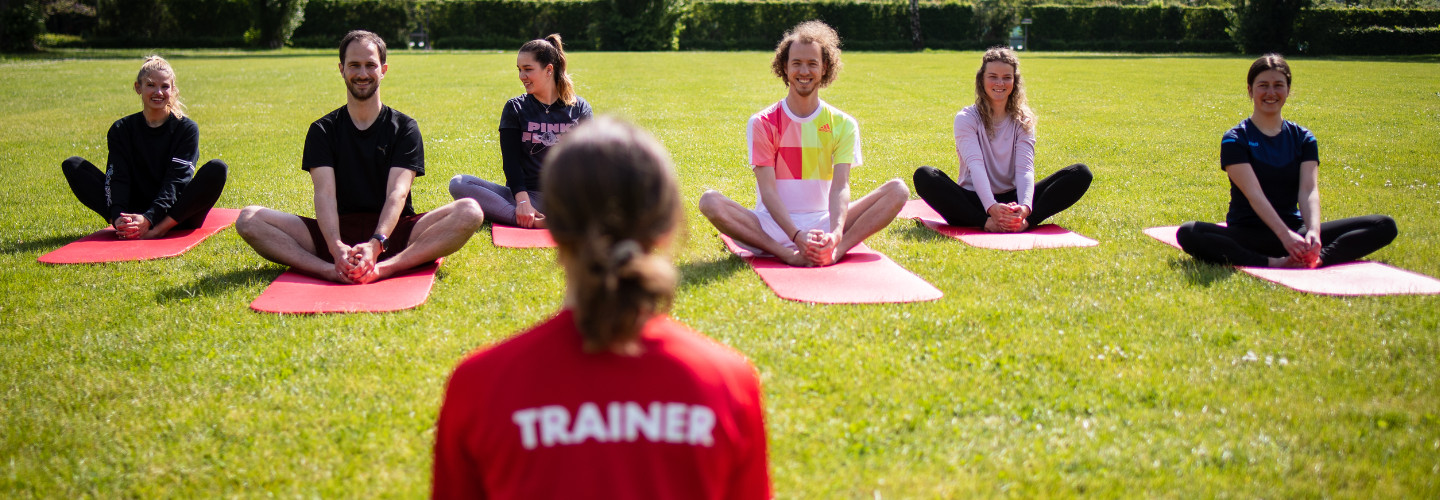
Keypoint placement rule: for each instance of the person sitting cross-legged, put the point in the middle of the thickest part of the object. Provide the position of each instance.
(801, 153)
(362, 159)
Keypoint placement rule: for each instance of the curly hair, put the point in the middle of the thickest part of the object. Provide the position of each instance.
(810, 32)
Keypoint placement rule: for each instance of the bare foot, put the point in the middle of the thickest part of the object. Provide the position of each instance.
(1287, 263)
(992, 226)
(796, 259)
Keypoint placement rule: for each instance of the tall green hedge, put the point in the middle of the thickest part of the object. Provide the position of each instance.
(1367, 31)
(493, 24)
(862, 25)
(326, 21)
(757, 25)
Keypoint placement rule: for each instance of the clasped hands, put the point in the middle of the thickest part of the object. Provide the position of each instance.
(1304, 250)
(1007, 218)
(356, 264)
(527, 217)
(133, 227)
(814, 248)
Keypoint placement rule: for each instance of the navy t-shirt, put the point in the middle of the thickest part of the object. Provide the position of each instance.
(540, 128)
(362, 158)
(1276, 162)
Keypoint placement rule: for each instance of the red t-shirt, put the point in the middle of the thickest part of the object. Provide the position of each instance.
(537, 417)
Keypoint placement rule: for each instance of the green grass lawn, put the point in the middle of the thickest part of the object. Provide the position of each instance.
(1126, 369)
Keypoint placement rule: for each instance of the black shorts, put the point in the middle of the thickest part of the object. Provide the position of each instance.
(358, 228)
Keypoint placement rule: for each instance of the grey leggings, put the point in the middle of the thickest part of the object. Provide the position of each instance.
(497, 201)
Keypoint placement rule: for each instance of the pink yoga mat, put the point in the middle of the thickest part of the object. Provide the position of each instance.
(519, 237)
(103, 246)
(864, 276)
(1353, 278)
(1042, 236)
(295, 293)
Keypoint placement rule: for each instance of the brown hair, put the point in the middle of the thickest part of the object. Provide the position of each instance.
(614, 205)
(550, 50)
(157, 64)
(362, 36)
(1017, 106)
(810, 32)
(1265, 63)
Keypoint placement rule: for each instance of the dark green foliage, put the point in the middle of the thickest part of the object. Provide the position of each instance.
(1368, 31)
(1385, 40)
(275, 21)
(1256, 25)
(639, 24)
(224, 19)
(863, 26)
(1260, 26)
(326, 21)
(70, 17)
(21, 22)
(133, 19)
(506, 24)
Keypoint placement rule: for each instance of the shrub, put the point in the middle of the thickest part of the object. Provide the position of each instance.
(639, 24)
(326, 21)
(506, 24)
(1265, 25)
(21, 23)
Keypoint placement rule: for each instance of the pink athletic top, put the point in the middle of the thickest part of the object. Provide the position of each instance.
(998, 164)
(804, 151)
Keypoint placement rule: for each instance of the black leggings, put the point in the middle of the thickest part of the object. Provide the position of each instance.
(962, 207)
(191, 205)
(1343, 241)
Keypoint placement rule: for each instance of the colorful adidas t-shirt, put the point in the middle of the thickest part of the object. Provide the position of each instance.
(803, 151)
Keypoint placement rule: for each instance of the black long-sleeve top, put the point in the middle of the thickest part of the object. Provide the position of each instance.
(149, 166)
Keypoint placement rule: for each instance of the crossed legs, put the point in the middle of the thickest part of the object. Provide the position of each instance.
(285, 239)
(864, 217)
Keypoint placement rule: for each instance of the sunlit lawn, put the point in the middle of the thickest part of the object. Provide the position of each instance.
(1125, 369)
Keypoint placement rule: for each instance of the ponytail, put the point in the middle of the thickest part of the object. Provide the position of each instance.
(615, 204)
(551, 51)
(157, 64)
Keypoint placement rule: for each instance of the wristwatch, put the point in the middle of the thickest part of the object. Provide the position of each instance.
(384, 242)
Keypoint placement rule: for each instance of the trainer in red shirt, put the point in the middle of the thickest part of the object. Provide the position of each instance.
(610, 398)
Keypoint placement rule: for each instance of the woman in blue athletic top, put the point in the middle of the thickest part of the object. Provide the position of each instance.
(1274, 218)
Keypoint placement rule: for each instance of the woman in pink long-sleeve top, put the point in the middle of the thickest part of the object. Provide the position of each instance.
(995, 140)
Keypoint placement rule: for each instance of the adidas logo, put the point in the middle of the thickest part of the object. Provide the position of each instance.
(825, 128)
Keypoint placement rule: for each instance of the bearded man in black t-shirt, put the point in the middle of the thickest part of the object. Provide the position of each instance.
(362, 159)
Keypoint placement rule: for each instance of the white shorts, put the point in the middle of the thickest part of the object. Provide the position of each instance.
(804, 221)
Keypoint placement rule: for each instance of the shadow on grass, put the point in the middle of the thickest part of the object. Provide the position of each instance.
(912, 230)
(44, 244)
(216, 284)
(1201, 273)
(693, 274)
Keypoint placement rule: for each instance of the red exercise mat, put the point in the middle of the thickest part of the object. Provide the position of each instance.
(103, 246)
(1042, 236)
(863, 276)
(1351, 278)
(519, 237)
(295, 293)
